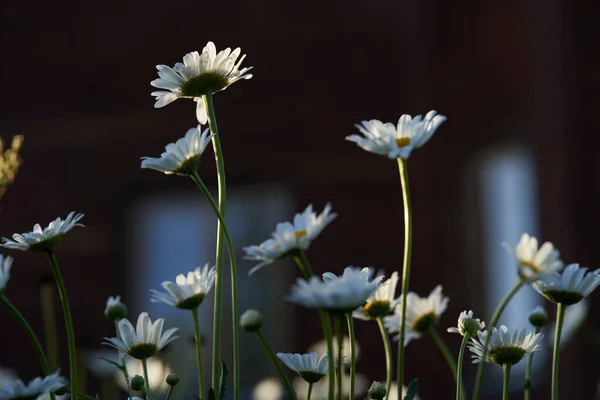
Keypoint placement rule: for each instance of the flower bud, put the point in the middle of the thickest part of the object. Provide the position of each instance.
(538, 317)
(136, 383)
(377, 391)
(115, 310)
(251, 321)
(172, 379)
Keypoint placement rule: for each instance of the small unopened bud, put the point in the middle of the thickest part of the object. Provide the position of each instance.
(136, 383)
(172, 379)
(251, 321)
(538, 317)
(115, 310)
(377, 391)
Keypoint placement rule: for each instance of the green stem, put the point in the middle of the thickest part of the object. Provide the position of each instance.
(309, 391)
(62, 291)
(339, 334)
(30, 333)
(277, 364)
(169, 392)
(493, 322)
(506, 384)
(49, 320)
(459, 380)
(233, 268)
(198, 351)
(352, 353)
(302, 260)
(388, 356)
(146, 381)
(222, 193)
(527, 388)
(403, 169)
(560, 317)
(445, 351)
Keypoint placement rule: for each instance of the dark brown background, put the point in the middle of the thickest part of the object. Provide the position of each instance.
(75, 77)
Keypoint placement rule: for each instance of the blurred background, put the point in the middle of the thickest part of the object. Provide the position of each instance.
(518, 81)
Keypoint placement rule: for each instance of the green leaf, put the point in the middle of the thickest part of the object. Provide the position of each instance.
(411, 392)
(223, 380)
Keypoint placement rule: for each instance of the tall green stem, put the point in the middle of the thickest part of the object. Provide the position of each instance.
(309, 391)
(222, 194)
(388, 356)
(506, 382)
(527, 388)
(30, 333)
(304, 266)
(445, 351)
(62, 291)
(339, 334)
(459, 380)
(560, 317)
(284, 379)
(493, 322)
(198, 351)
(146, 380)
(403, 168)
(352, 353)
(49, 320)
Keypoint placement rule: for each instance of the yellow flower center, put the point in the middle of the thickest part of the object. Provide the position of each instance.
(377, 308)
(402, 141)
(299, 234)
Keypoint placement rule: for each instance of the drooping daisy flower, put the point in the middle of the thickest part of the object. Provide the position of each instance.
(571, 287)
(46, 239)
(533, 263)
(200, 74)
(381, 302)
(397, 141)
(289, 237)
(467, 324)
(183, 156)
(188, 292)
(422, 313)
(336, 294)
(505, 347)
(5, 264)
(18, 390)
(307, 366)
(145, 340)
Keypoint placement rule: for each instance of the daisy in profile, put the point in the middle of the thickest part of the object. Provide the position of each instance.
(397, 141)
(144, 341)
(43, 239)
(467, 324)
(183, 156)
(506, 347)
(307, 366)
(37, 387)
(336, 294)
(571, 287)
(5, 265)
(200, 74)
(188, 292)
(422, 314)
(381, 302)
(532, 262)
(289, 237)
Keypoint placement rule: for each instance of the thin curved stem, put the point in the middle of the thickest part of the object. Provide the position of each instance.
(62, 291)
(222, 194)
(198, 352)
(506, 382)
(495, 317)
(560, 317)
(461, 353)
(284, 379)
(527, 387)
(403, 169)
(169, 392)
(339, 334)
(146, 381)
(388, 356)
(352, 354)
(445, 351)
(302, 261)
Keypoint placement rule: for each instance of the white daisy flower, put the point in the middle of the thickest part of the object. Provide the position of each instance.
(320, 390)
(336, 294)
(183, 156)
(381, 302)
(200, 74)
(5, 264)
(145, 340)
(46, 239)
(307, 366)
(467, 324)
(289, 237)
(505, 347)
(533, 263)
(18, 390)
(188, 292)
(397, 141)
(422, 313)
(320, 348)
(571, 287)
